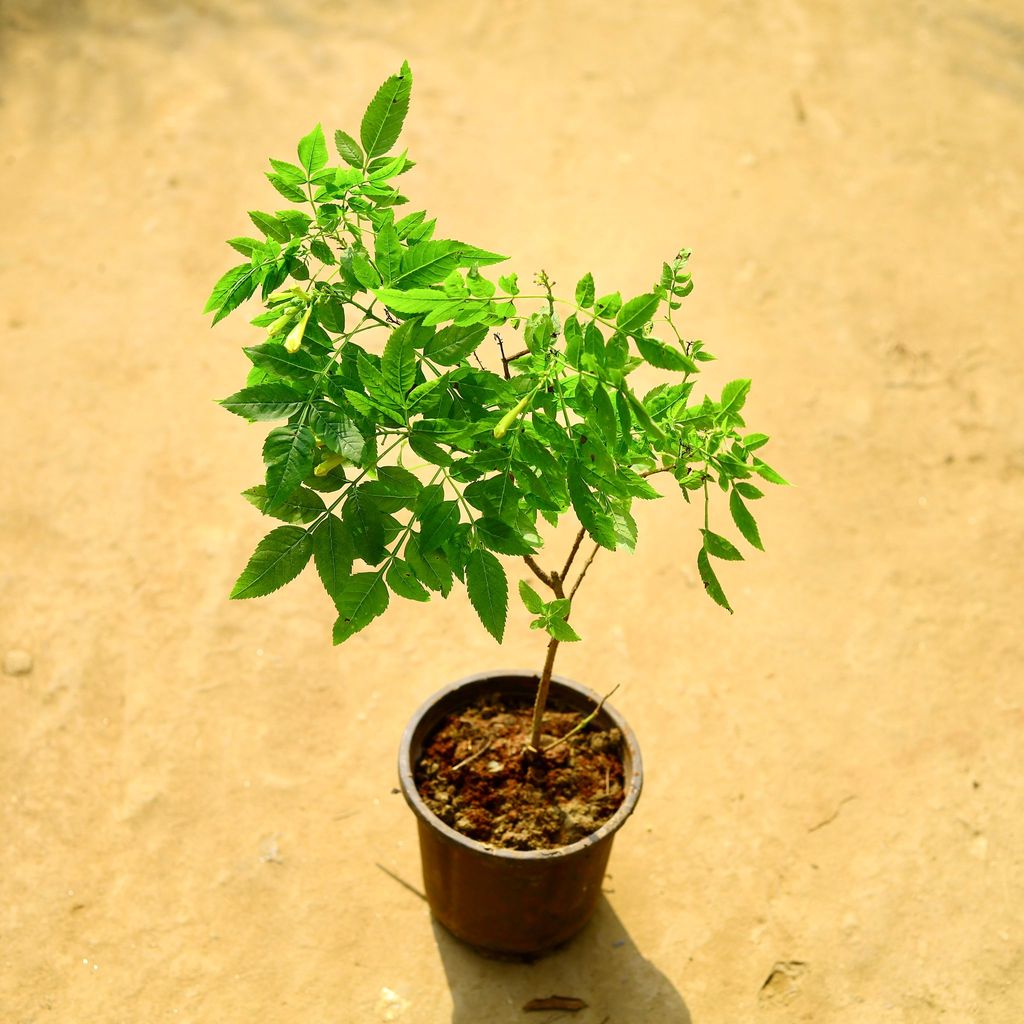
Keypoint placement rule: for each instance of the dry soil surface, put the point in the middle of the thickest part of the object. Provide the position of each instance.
(198, 821)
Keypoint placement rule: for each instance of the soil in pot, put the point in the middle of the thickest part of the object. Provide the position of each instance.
(475, 775)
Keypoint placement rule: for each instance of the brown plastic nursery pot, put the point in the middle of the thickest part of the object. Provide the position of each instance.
(512, 901)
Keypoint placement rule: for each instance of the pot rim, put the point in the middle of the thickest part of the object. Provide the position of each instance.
(633, 783)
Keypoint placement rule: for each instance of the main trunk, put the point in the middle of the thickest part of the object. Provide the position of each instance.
(540, 703)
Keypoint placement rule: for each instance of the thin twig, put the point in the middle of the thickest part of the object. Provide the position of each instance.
(504, 359)
(538, 571)
(579, 579)
(572, 554)
(472, 757)
(518, 355)
(582, 725)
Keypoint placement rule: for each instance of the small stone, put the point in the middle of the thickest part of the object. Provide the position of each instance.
(17, 663)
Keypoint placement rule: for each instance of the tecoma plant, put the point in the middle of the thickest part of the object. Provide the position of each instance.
(402, 463)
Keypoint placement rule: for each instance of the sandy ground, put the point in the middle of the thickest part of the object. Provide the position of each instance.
(196, 796)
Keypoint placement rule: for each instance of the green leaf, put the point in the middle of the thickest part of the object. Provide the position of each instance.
(394, 488)
(452, 344)
(639, 410)
(745, 521)
(313, 151)
(274, 356)
(322, 251)
(427, 263)
(419, 394)
(302, 505)
(426, 449)
(608, 305)
(382, 122)
(288, 172)
(246, 246)
(749, 491)
(330, 312)
(585, 291)
(362, 598)
(488, 591)
(499, 536)
(710, 580)
(479, 286)
(496, 495)
(231, 290)
(431, 569)
(364, 271)
(663, 356)
(561, 630)
(382, 169)
(339, 432)
(378, 387)
(533, 601)
(764, 470)
(365, 524)
(472, 255)
(388, 252)
(637, 312)
(289, 451)
(721, 547)
(538, 331)
(333, 553)
(272, 401)
(596, 522)
(348, 149)
(573, 334)
(270, 226)
(416, 300)
(734, 394)
(402, 580)
(438, 524)
(604, 413)
(398, 365)
(277, 560)
(625, 529)
(754, 441)
(291, 192)
(409, 223)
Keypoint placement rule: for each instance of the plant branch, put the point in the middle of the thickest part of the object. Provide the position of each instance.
(583, 572)
(572, 554)
(504, 358)
(538, 571)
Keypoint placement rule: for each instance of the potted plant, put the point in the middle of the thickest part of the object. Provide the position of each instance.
(405, 466)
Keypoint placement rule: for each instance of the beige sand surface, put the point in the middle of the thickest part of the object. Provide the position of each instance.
(195, 796)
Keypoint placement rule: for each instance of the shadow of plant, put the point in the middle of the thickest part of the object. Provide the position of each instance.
(602, 966)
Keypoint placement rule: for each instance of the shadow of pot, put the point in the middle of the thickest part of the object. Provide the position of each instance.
(512, 902)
